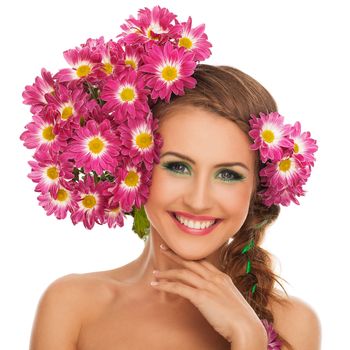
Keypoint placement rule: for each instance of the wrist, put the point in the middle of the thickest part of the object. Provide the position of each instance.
(256, 340)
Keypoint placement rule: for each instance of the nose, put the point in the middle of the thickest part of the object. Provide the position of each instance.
(199, 194)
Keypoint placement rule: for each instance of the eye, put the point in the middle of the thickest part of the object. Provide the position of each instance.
(175, 167)
(231, 175)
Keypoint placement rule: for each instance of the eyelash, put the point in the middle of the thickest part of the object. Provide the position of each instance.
(170, 166)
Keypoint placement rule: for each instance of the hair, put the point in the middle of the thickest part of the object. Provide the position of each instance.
(234, 95)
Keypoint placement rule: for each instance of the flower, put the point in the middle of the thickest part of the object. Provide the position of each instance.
(288, 155)
(126, 96)
(140, 141)
(151, 25)
(91, 202)
(273, 342)
(270, 135)
(169, 70)
(195, 40)
(94, 147)
(35, 95)
(65, 200)
(83, 64)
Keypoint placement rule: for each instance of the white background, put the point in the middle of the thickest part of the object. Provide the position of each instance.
(298, 50)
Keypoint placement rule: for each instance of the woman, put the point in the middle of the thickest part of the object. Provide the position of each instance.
(205, 299)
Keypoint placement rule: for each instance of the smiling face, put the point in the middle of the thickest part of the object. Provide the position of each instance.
(202, 187)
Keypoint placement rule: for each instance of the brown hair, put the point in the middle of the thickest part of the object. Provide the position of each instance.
(234, 95)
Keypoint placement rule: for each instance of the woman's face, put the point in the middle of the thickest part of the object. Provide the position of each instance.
(200, 188)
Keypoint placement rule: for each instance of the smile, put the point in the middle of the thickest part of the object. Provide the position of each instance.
(195, 227)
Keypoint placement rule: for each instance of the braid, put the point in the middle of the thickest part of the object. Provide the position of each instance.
(250, 266)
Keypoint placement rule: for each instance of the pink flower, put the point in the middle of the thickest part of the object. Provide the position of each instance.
(140, 143)
(40, 134)
(91, 202)
(151, 25)
(273, 342)
(132, 187)
(168, 69)
(94, 147)
(35, 95)
(195, 40)
(288, 157)
(48, 171)
(304, 145)
(65, 200)
(125, 96)
(270, 135)
(83, 63)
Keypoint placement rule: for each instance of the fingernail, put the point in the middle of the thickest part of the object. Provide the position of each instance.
(155, 272)
(162, 246)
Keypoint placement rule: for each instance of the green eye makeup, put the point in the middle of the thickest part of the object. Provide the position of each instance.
(178, 168)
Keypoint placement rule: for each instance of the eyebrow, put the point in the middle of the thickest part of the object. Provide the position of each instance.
(193, 162)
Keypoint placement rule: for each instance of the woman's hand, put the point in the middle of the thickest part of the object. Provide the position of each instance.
(217, 298)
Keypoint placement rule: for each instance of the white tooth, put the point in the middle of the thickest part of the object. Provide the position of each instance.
(195, 224)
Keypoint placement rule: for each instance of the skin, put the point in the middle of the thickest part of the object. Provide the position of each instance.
(201, 189)
(80, 310)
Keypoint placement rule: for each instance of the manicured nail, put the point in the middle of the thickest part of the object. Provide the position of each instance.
(154, 283)
(162, 246)
(155, 272)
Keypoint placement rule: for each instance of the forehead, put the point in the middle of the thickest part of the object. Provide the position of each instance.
(204, 134)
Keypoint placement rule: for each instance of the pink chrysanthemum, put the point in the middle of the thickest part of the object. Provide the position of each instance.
(40, 134)
(270, 135)
(132, 187)
(273, 342)
(48, 172)
(304, 145)
(83, 64)
(65, 200)
(35, 95)
(68, 106)
(125, 96)
(140, 142)
(91, 202)
(195, 40)
(114, 215)
(94, 147)
(151, 25)
(169, 69)
(130, 59)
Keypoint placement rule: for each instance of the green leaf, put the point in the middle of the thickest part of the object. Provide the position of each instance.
(141, 225)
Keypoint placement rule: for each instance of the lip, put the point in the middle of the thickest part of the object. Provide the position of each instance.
(194, 231)
(195, 217)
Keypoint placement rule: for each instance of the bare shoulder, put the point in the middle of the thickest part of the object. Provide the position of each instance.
(297, 322)
(63, 307)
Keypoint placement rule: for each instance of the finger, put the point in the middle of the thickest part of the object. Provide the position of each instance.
(194, 266)
(186, 276)
(178, 288)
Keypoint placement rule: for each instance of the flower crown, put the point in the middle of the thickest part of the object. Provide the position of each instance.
(94, 135)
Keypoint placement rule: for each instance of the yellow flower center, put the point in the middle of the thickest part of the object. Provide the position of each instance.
(83, 70)
(169, 73)
(284, 165)
(67, 112)
(185, 42)
(131, 63)
(89, 201)
(48, 134)
(127, 94)
(296, 148)
(131, 179)
(62, 195)
(96, 145)
(144, 140)
(52, 173)
(108, 68)
(155, 36)
(268, 136)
